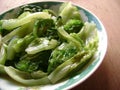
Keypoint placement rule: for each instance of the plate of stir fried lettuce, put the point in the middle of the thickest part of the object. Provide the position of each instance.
(49, 45)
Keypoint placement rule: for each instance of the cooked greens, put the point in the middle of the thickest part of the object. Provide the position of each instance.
(41, 46)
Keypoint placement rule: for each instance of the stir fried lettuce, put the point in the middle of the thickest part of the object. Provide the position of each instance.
(42, 47)
(14, 23)
(68, 11)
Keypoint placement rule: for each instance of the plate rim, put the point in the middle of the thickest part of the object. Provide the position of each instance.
(103, 31)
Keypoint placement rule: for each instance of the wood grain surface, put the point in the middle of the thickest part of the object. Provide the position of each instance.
(107, 76)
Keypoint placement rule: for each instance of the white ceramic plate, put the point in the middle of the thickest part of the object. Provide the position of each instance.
(6, 84)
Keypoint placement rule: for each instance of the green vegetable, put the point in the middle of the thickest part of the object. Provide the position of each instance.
(22, 43)
(0, 40)
(50, 12)
(59, 21)
(61, 54)
(10, 50)
(73, 25)
(14, 23)
(26, 65)
(25, 78)
(38, 74)
(30, 63)
(76, 62)
(68, 11)
(43, 27)
(23, 15)
(3, 54)
(40, 46)
(2, 70)
(29, 8)
(18, 32)
(88, 32)
(64, 35)
(18, 46)
(81, 58)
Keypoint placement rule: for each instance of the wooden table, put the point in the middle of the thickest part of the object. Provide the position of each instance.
(107, 76)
